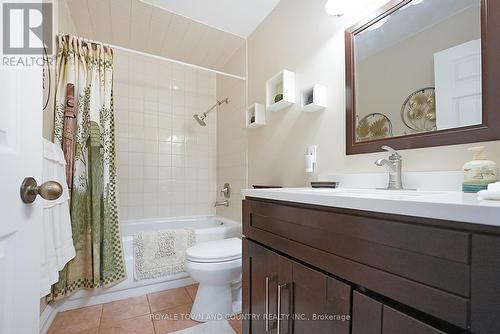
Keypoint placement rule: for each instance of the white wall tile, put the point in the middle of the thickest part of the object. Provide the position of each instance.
(166, 161)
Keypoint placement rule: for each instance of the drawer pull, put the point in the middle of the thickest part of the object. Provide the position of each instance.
(267, 315)
(280, 287)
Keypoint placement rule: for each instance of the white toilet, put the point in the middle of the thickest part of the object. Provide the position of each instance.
(216, 265)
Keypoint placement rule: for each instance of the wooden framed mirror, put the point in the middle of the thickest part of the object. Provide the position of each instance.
(423, 73)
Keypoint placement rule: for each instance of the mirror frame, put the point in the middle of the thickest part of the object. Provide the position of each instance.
(488, 131)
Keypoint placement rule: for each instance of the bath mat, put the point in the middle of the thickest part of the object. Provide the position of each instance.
(161, 253)
(211, 327)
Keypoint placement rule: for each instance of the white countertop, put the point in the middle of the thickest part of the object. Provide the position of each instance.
(447, 205)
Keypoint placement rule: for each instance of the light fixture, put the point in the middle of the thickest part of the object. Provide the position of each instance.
(378, 24)
(413, 3)
(335, 7)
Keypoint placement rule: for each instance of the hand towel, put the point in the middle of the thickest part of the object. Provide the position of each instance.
(493, 192)
(57, 246)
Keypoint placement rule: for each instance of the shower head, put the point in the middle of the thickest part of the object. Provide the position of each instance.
(201, 119)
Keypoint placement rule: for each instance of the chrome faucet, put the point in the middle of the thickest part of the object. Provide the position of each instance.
(223, 203)
(394, 166)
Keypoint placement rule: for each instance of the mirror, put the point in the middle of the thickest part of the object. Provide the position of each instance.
(419, 69)
(415, 69)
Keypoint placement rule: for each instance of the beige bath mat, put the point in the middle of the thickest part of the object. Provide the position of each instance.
(211, 327)
(161, 253)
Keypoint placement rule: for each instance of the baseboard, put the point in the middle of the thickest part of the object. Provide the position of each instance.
(47, 317)
(101, 297)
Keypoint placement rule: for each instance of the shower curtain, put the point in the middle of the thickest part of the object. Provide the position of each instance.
(94, 215)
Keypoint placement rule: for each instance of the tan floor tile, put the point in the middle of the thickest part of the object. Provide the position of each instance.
(173, 319)
(124, 309)
(76, 321)
(168, 299)
(191, 290)
(237, 325)
(138, 325)
(88, 331)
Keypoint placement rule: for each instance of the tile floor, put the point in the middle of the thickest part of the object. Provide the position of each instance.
(155, 313)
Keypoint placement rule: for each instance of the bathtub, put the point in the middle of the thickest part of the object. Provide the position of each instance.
(207, 228)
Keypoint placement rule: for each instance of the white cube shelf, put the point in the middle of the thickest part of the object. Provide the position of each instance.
(282, 83)
(313, 98)
(256, 116)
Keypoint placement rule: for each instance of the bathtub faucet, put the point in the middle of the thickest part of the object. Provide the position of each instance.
(223, 203)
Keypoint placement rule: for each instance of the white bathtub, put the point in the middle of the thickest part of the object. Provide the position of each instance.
(206, 228)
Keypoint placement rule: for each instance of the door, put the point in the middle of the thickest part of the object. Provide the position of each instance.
(20, 224)
(458, 86)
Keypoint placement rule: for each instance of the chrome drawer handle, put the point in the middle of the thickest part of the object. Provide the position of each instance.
(268, 328)
(280, 287)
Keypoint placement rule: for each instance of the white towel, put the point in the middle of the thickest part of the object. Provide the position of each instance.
(57, 239)
(161, 253)
(493, 192)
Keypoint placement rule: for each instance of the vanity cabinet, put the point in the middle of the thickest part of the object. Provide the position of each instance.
(285, 296)
(390, 273)
(372, 317)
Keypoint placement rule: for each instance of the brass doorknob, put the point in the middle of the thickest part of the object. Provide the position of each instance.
(49, 190)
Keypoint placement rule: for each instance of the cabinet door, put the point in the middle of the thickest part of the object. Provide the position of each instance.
(306, 300)
(321, 304)
(366, 315)
(264, 273)
(395, 322)
(369, 316)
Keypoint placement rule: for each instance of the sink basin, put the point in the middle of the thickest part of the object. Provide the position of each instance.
(377, 192)
(369, 193)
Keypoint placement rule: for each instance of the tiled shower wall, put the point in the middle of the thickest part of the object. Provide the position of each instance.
(166, 162)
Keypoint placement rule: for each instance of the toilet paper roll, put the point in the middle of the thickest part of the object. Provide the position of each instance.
(309, 163)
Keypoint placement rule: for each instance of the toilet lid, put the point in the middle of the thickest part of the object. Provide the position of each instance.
(215, 251)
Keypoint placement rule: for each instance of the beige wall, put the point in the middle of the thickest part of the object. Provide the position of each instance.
(384, 80)
(232, 136)
(300, 36)
(63, 23)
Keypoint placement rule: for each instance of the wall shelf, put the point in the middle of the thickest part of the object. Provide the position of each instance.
(313, 98)
(282, 84)
(256, 116)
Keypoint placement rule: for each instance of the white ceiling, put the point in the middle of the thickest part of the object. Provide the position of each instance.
(239, 17)
(136, 25)
(407, 22)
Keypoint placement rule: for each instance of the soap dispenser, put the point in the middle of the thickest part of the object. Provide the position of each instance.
(479, 172)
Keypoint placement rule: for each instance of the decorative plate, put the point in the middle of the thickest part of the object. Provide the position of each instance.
(419, 110)
(374, 126)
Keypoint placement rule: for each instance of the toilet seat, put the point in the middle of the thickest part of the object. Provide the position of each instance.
(215, 251)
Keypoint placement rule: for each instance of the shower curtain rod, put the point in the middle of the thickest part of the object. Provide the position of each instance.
(117, 47)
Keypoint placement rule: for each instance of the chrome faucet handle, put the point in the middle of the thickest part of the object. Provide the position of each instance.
(393, 152)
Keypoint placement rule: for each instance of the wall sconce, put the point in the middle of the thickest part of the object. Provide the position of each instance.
(335, 7)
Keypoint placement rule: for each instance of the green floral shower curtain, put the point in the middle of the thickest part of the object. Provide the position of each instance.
(94, 215)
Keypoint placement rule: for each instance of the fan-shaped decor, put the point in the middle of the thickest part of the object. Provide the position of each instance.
(419, 110)
(374, 126)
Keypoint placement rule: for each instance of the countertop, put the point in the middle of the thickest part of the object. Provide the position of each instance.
(446, 205)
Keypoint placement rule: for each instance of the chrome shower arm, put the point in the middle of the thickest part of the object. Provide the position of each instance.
(218, 103)
(201, 119)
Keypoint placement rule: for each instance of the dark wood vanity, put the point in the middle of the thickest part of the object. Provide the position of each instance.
(332, 270)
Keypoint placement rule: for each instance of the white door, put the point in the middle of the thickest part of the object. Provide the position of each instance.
(458, 86)
(20, 224)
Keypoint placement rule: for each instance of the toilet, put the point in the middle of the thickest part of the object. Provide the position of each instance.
(216, 266)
